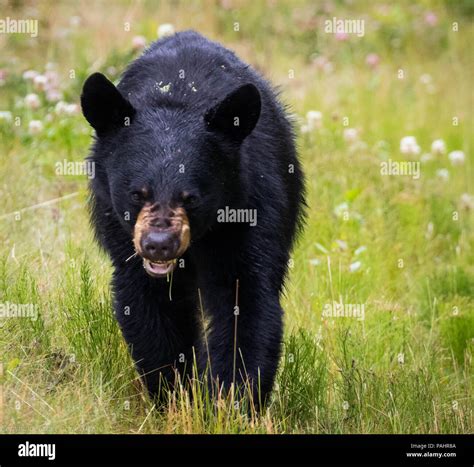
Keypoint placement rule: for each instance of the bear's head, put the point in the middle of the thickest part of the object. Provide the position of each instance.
(167, 169)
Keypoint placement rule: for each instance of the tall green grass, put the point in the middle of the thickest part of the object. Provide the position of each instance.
(405, 368)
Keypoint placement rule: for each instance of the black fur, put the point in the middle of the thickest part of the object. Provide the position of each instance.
(173, 111)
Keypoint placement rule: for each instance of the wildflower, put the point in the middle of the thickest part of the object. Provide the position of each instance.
(443, 174)
(341, 244)
(53, 95)
(372, 60)
(341, 209)
(426, 79)
(408, 145)
(350, 135)
(457, 157)
(467, 202)
(35, 127)
(63, 108)
(139, 42)
(354, 267)
(431, 19)
(75, 21)
(360, 250)
(5, 116)
(342, 36)
(30, 75)
(40, 82)
(165, 30)
(32, 101)
(323, 64)
(314, 119)
(438, 146)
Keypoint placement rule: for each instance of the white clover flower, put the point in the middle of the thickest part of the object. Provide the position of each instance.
(314, 119)
(443, 174)
(32, 101)
(35, 127)
(457, 157)
(139, 42)
(30, 75)
(341, 209)
(40, 82)
(360, 250)
(60, 108)
(467, 202)
(438, 146)
(72, 109)
(75, 21)
(350, 135)
(63, 108)
(426, 79)
(354, 267)
(5, 116)
(53, 95)
(409, 146)
(165, 29)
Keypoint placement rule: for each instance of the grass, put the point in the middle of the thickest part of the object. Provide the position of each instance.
(405, 368)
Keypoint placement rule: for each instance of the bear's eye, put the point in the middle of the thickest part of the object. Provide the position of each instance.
(189, 200)
(138, 196)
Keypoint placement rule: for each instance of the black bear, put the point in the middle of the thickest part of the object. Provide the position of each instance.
(197, 197)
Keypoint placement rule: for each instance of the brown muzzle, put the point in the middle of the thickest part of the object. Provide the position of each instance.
(160, 237)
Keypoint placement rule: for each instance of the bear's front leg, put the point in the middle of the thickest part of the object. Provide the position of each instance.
(242, 341)
(159, 331)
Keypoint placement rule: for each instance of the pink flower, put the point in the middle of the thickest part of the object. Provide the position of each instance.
(53, 95)
(372, 60)
(342, 36)
(431, 19)
(35, 127)
(32, 101)
(139, 42)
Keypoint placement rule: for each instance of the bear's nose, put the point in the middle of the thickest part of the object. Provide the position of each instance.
(160, 246)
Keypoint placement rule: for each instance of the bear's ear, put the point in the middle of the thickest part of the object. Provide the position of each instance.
(103, 106)
(237, 114)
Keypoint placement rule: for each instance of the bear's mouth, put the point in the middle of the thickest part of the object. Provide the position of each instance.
(159, 268)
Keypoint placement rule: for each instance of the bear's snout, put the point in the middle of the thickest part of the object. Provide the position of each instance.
(158, 245)
(160, 237)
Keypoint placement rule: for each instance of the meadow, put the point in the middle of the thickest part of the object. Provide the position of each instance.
(379, 304)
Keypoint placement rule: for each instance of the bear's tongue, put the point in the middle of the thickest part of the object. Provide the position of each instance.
(158, 269)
